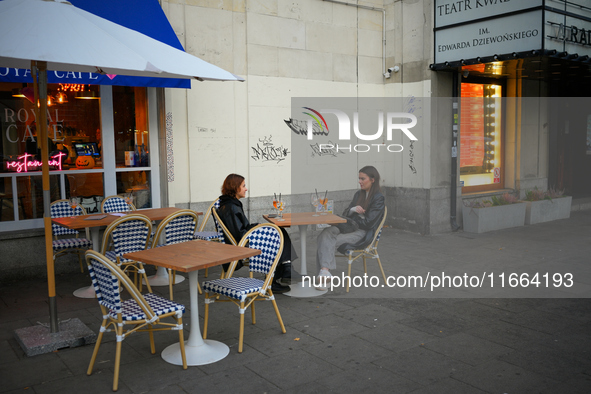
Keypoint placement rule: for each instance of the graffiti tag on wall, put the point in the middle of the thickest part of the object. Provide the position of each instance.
(413, 105)
(265, 150)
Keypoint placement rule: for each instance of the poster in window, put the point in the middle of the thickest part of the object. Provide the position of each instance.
(472, 128)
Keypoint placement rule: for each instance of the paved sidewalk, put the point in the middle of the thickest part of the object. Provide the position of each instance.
(387, 339)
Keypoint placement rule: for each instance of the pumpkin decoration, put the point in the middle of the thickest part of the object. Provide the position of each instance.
(84, 162)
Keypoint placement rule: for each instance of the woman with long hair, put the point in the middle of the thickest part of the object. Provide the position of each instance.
(366, 211)
(232, 214)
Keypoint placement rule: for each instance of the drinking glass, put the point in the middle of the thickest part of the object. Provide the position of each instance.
(315, 203)
(128, 197)
(276, 205)
(74, 204)
(323, 202)
(281, 205)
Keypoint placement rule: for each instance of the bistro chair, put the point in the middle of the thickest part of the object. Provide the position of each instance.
(128, 234)
(175, 228)
(370, 251)
(210, 235)
(139, 312)
(62, 245)
(226, 234)
(216, 235)
(245, 291)
(224, 230)
(114, 204)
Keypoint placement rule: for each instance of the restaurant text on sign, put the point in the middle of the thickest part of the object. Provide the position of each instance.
(27, 161)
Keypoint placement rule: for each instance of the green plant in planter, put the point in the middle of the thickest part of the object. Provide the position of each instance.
(504, 199)
(539, 195)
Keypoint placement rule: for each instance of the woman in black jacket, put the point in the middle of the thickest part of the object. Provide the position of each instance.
(235, 220)
(366, 210)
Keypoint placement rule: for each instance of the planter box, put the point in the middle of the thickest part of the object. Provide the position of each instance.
(547, 210)
(481, 220)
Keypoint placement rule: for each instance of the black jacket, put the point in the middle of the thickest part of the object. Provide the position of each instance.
(372, 218)
(232, 214)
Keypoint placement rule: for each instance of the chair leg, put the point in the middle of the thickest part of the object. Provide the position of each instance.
(152, 346)
(171, 279)
(364, 263)
(252, 313)
(119, 331)
(349, 273)
(145, 277)
(138, 285)
(182, 342)
(381, 268)
(206, 316)
(278, 314)
(99, 338)
(79, 253)
(241, 335)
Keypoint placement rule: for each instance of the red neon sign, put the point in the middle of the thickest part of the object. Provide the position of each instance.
(24, 163)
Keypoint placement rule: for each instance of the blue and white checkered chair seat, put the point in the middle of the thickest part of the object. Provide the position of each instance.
(236, 288)
(71, 243)
(131, 311)
(209, 236)
(217, 235)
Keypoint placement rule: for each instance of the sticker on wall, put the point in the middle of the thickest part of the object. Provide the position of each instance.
(497, 175)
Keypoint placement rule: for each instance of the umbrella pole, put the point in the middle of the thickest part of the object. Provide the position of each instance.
(42, 127)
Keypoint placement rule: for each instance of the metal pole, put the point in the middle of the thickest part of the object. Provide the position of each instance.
(454, 153)
(42, 141)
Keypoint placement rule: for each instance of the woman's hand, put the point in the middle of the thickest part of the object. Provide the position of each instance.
(359, 209)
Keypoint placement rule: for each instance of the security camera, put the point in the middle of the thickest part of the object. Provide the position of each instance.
(394, 69)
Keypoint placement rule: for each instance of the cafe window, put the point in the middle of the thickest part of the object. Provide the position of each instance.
(86, 159)
(132, 147)
(481, 137)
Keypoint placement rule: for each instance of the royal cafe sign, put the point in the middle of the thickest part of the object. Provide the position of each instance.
(467, 29)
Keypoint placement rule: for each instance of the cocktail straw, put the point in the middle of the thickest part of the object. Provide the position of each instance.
(279, 196)
(325, 193)
(316, 190)
(275, 196)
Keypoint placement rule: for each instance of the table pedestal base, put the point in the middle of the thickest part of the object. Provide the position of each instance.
(85, 292)
(161, 278)
(301, 290)
(207, 353)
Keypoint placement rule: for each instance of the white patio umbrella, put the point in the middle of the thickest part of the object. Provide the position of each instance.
(55, 35)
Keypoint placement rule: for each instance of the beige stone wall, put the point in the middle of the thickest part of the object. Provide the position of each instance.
(285, 49)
